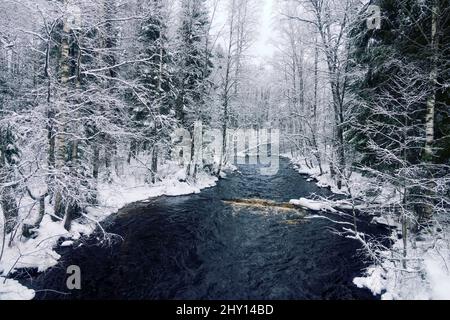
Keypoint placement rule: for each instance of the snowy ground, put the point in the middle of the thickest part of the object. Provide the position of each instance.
(426, 276)
(427, 272)
(128, 187)
(357, 184)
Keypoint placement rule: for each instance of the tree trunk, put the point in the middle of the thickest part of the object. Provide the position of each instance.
(60, 143)
(51, 133)
(431, 102)
(2, 234)
(96, 161)
(339, 133)
(226, 90)
(9, 208)
(427, 211)
(154, 166)
(314, 111)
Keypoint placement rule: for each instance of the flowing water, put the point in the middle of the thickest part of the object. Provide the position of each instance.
(199, 247)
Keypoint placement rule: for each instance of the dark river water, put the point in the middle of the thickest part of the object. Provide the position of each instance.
(198, 247)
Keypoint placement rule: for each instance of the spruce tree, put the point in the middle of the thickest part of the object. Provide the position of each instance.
(193, 62)
(392, 90)
(380, 55)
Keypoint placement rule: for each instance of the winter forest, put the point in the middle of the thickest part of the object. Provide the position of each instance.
(99, 100)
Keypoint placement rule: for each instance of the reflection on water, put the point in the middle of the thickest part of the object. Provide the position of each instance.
(200, 247)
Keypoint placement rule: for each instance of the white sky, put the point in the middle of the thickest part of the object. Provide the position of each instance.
(263, 48)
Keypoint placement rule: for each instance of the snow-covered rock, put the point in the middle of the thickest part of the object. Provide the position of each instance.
(11, 289)
(312, 204)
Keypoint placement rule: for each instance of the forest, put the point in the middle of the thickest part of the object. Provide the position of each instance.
(94, 93)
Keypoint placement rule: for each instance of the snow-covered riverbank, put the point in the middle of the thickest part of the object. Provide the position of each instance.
(427, 275)
(40, 252)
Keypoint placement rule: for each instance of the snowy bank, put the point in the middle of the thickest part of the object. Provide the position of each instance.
(115, 196)
(129, 187)
(11, 289)
(426, 276)
(357, 182)
(426, 272)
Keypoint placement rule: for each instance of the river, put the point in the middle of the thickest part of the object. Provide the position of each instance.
(198, 247)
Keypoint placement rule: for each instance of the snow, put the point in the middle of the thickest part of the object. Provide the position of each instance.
(386, 221)
(11, 289)
(426, 276)
(439, 278)
(374, 280)
(126, 191)
(67, 243)
(34, 253)
(127, 188)
(312, 204)
(358, 183)
(324, 181)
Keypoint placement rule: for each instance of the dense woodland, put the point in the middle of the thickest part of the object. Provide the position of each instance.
(89, 87)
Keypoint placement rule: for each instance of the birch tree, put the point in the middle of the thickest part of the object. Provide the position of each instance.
(331, 20)
(237, 40)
